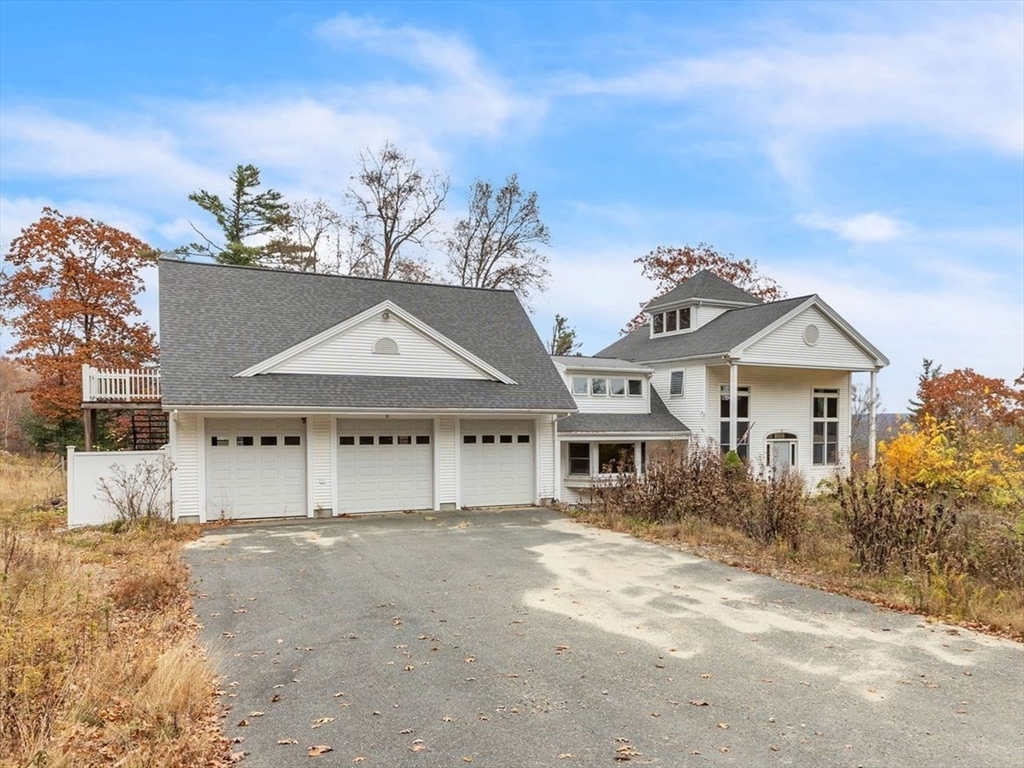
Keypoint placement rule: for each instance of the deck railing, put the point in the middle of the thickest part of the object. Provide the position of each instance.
(120, 385)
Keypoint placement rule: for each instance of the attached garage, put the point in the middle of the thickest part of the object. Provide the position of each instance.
(385, 465)
(255, 468)
(497, 463)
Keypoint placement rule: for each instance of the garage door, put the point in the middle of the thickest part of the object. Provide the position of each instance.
(255, 468)
(497, 463)
(385, 465)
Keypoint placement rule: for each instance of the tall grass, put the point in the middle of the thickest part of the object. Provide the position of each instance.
(98, 661)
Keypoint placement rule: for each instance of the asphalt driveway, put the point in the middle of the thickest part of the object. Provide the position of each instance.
(520, 638)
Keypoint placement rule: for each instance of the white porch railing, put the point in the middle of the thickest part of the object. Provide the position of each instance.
(120, 385)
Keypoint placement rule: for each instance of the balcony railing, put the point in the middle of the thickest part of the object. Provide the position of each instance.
(114, 385)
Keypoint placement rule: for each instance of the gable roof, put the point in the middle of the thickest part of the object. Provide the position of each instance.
(659, 420)
(216, 321)
(718, 337)
(705, 285)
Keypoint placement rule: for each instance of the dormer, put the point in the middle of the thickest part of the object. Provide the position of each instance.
(694, 303)
(606, 385)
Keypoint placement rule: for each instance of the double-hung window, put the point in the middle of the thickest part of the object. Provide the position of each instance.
(675, 385)
(825, 426)
(742, 420)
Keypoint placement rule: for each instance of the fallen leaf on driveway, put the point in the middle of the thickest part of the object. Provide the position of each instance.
(447, 719)
(256, 713)
(417, 746)
(404, 731)
(319, 749)
(243, 723)
(287, 741)
(565, 755)
(321, 721)
(723, 725)
(359, 759)
(723, 750)
(699, 703)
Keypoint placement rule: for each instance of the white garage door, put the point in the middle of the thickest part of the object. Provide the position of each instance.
(497, 463)
(385, 465)
(255, 468)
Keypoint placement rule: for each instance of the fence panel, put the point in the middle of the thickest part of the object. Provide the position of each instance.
(86, 505)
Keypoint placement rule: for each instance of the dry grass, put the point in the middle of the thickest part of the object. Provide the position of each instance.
(972, 575)
(98, 659)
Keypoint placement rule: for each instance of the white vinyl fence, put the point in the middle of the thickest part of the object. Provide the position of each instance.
(86, 503)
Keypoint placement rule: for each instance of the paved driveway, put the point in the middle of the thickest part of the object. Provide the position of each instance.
(523, 639)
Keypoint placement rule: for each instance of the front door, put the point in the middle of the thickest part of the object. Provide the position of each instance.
(781, 452)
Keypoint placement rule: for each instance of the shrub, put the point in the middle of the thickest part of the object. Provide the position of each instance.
(137, 494)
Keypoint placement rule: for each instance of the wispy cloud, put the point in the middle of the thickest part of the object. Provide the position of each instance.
(870, 227)
(960, 78)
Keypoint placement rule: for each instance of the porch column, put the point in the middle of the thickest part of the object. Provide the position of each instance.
(872, 398)
(734, 375)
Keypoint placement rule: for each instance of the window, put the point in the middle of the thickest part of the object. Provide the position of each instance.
(825, 426)
(346, 440)
(579, 458)
(636, 388)
(469, 439)
(219, 441)
(522, 438)
(615, 457)
(386, 440)
(675, 385)
(405, 439)
(579, 385)
(506, 438)
(671, 321)
(487, 438)
(385, 346)
(366, 439)
(422, 439)
(292, 440)
(599, 386)
(617, 387)
(268, 439)
(243, 440)
(742, 420)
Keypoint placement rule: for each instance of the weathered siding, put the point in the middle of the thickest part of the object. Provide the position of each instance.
(352, 353)
(322, 465)
(780, 401)
(785, 344)
(447, 482)
(186, 464)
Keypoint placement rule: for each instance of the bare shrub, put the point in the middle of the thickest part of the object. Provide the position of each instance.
(138, 494)
(150, 586)
(772, 507)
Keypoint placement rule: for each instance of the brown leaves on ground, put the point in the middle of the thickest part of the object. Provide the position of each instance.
(318, 749)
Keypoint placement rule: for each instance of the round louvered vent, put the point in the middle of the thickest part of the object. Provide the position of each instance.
(385, 346)
(811, 335)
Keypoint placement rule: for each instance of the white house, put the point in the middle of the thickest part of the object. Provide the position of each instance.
(306, 395)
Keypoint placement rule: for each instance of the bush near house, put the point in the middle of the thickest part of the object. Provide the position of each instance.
(98, 659)
(945, 549)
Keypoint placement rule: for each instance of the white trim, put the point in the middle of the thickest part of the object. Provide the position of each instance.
(201, 468)
(71, 482)
(485, 368)
(436, 440)
(270, 411)
(458, 463)
(335, 501)
(172, 453)
(556, 446)
(622, 437)
(310, 508)
(570, 369)
(536, 462)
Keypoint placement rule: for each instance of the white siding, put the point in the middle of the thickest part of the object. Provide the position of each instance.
(546, 447)
(319, 436)
(834, 349)
(186, 465)
(689, 408)
(780, 401)
(352, 353)
(705, 314)
(446, 448)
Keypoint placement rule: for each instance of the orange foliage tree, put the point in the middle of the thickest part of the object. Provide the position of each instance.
(668, 266)
(971, 401)
(71, 299)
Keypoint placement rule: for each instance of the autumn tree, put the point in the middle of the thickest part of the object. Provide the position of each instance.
(667, 267)
(493, 246)
(16, 381)
(396, 206)
(252, 223)
(71, 299)
(969, 401)
(563, 338)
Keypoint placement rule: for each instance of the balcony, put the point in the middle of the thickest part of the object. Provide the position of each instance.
(112, 385)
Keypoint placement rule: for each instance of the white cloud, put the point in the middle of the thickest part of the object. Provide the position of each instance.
(956, 77)
(870, 227)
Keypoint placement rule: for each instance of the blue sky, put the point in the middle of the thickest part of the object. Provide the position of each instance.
(870, 153)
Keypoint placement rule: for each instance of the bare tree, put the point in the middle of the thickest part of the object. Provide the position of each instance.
(396, 204)
(493, 246)
(314, 239)
(860, 418)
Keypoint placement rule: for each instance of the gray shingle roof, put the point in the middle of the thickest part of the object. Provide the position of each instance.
(658, 420)
(216, 321)
(599, 363)
(703, 285)
(716, 338)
